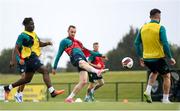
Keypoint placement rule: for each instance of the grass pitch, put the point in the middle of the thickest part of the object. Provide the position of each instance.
(106, 99)
(88, 106)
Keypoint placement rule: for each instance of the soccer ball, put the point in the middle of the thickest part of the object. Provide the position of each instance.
(127, 62)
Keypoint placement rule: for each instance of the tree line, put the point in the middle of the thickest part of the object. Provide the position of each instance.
(124, 48)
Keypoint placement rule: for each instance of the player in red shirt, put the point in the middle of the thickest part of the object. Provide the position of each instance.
(95, 81)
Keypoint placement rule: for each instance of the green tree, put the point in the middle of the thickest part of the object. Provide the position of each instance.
(5, 60)
(125, 47)
(176, 54)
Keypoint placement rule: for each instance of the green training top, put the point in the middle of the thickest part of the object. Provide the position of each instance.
(65, 43)
(23, 41)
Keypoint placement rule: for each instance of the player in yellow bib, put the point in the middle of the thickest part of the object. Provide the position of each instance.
(27, 51)
(152, 47)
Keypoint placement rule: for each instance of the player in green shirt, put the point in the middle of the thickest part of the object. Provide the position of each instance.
(27, 50)
(77, 53)
(152, 48)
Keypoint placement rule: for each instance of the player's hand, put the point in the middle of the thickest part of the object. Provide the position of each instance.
(53, 71)
(49, 43)
(142, 62)
(11, 64)
(106, 58)
(98, 66)
(21, 62)
(172, 61)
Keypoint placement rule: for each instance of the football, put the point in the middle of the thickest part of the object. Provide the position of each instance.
(127, 62)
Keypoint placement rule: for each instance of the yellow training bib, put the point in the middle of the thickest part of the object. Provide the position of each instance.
(150, 36)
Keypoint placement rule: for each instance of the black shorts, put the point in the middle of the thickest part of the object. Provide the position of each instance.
(21, 68)
(93, 77)
(75, 61)
(32, 64)
(159, 66)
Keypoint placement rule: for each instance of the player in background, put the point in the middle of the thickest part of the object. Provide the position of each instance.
(27, 51)
(152, 47)
(95, 81)
(77, 53)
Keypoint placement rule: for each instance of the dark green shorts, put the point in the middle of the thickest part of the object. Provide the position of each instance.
(33, 64)
(75, 61)
(21, 68)
(93, 77)
(159, 66)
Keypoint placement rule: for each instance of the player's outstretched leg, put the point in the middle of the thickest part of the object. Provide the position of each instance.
(102, 71)
(84, 65)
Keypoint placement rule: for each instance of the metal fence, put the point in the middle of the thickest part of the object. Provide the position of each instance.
(116, 85)
(116, 90)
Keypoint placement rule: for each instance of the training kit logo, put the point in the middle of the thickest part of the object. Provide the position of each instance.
(155, 86)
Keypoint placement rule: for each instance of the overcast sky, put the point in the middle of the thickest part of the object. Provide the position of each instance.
(105, 21)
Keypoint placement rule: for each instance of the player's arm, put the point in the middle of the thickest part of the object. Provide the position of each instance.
(165, 44)
(88, 52)
(18, 45)
(97, 54)
(90, 59)
(18, 56)
(138, 47)
(104, 57)
(43, 44)
(61, 49)
(138, 44)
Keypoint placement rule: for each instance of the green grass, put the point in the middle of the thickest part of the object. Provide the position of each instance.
(88, 106)
(133, 76)
(105, 96)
